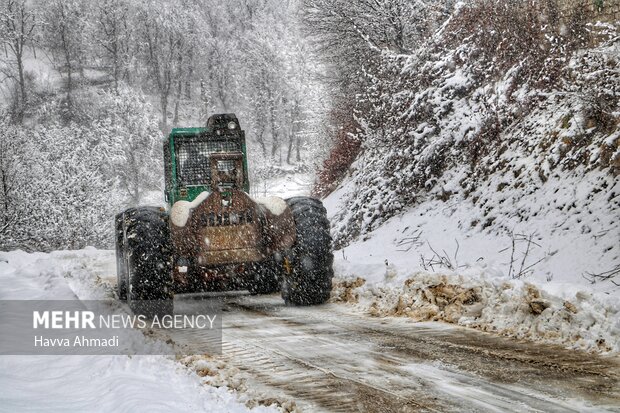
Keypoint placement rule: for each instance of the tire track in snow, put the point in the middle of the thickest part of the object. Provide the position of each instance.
(330, 359)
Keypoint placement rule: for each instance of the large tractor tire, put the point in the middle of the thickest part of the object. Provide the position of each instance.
(121, 261)
(266, 279)
(308, 276)
(147, 259)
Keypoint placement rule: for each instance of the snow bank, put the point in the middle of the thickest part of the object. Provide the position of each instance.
(215, 372)
(472, 163)
(108, 384)
(511, 308)
(573, 234)
(539, 291)
(95, 383)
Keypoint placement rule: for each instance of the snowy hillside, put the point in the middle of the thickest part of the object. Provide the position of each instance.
(430, 264)
(492, 160)
(518, 143)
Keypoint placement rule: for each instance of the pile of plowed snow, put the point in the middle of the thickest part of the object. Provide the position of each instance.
(514, 308)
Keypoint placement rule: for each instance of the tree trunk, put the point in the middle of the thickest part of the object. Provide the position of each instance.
(22, 88)
(275, 142)
(116, 66)
(204, 102)
(260, 133)
(289, 149)
(164, 111)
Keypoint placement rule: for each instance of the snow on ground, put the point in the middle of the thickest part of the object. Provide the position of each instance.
(553, 303)
(93, 383)
(107, 384)
(286, 186)
(433, 263)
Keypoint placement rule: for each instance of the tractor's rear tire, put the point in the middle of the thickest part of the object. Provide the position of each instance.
(149, 262)
(309, 278)
(265, 278)
(121, 262)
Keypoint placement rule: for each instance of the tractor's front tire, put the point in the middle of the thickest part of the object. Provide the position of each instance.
(149, 262)
(308, 276)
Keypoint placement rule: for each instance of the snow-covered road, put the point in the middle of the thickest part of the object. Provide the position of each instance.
(330, 358)
(333, 358)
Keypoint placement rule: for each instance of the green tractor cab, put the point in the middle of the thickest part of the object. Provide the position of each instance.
(213, 236)
(187, 152)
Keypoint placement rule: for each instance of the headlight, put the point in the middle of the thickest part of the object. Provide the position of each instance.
(232, 125)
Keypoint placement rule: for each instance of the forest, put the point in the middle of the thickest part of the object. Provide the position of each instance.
(89, 89)
(407, 100)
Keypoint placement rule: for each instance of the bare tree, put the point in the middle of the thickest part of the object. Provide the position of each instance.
(166, 35)
(64, 30)
(114, 35)
(18, 25)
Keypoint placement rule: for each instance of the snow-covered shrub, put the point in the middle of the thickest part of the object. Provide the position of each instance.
(342, 154)
(65, 182)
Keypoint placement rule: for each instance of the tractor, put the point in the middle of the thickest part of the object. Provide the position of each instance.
(212, 236)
